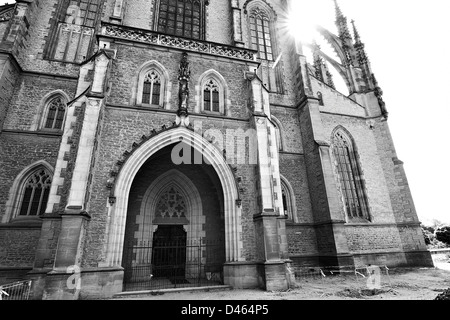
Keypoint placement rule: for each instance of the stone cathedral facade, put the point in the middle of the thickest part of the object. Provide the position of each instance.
(129, 125)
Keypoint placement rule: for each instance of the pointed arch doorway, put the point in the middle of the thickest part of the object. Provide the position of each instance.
(175, 228)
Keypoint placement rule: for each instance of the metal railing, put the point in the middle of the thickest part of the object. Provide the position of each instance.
(16, 291)
(168, 265)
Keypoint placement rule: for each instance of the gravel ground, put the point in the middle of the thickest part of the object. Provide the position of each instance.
(399, 284)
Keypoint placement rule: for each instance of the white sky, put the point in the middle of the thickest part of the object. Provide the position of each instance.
(407, 44)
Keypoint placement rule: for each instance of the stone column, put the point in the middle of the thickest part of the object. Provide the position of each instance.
(60, 282)
(272, 268)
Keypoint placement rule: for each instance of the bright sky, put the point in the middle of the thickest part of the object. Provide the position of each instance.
(407, 44)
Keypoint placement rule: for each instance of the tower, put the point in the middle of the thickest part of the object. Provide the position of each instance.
(129, 125)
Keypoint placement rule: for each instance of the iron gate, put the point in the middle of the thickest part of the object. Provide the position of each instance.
(173, 264)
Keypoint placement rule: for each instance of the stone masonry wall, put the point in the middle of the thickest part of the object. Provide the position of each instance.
(18, 246)
(26, 103)
(121, 128)
(19, 151)
(292, 167)
(370, 163)
(9, 74)
(141, 13)
(124, 76)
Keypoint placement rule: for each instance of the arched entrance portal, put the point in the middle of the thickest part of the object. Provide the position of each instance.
(118, 209)
(175, 226)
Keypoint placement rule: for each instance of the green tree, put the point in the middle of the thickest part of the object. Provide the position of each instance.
(443, 234)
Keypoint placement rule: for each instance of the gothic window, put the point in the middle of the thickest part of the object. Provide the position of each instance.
(171, 205)
(278, 135)
(184, 18)
(55, 114)
(73, 38)
(211, 96)
(260, 33)
(285, 203)
(35, 194)
(350, 176)
(152, 88)
(288, 198)
(152, 85)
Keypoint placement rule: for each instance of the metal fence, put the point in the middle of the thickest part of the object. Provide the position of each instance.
(362, 276)
(16, 291)
(173, 264)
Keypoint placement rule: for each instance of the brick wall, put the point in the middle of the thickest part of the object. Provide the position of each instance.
(302, 240)
(26, 103)
(18, 246)
(8, 78)
(219, 22)
(364, 239)
(292, 138)
(124, 76)
(138, 13)
(19, 151)
(292, 167)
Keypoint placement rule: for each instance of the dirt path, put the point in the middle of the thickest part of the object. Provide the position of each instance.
(399, 284)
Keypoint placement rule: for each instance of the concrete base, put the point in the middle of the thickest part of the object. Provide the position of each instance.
(271, 276)
(275, 276)
(98, 283)
(242, 275)
(38, 277)
(396, 259)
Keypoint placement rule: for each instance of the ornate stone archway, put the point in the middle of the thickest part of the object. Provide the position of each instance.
(117, 212)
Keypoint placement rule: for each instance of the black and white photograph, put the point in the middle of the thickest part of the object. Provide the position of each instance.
(224, 158)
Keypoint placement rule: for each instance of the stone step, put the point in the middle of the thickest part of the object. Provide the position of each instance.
(129, 294)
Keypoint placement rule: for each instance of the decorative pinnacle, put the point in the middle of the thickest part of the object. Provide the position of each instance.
(339, 13)
(356, 33)
(341, 23)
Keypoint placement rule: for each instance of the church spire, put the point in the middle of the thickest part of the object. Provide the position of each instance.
(341, 23)
(359, 47)
(356, 33)
(344, 34)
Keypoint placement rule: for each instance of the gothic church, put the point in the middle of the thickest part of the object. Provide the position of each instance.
(190, 142)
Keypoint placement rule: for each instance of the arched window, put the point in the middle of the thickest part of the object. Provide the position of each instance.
(152, 84)
(152, 88)
(278, 133)
(212, 93)
(350, 176)
(184, 18)
(35, 193)
(211, 96)
(55, 113)
(288, 198)
(171, 205)
(260, 33)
